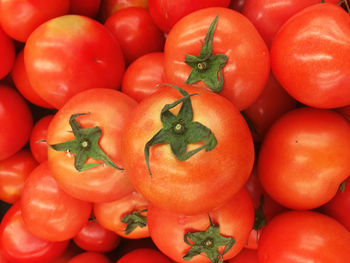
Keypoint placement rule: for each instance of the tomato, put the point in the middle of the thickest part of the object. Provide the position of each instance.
(209, 158)
(305, 157)
(126, 216)
(19, 18)
(20, 78)
(233, 61)
(237, 5)
(143, 76)
(71, 251)
(38, 137)
(18, 245)
(13, 173)
(339, 206)
(109, 7)
(144, 255)
(101, 178)
(204, 237)
(89, 257)
(48, 211)
(304, 236)
(136, 32)
(94, 237)
(269, 15)
(315, 44)
(84, 7)
(166, 13)
(87, 49)
(7, 53)
(16, 122)
(245, 256)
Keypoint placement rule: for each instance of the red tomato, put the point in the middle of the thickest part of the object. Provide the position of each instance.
(136, 32)
(237, 65)
(305, 157)
(304, 236)
(20, 78)
(18, 245)
(126, 216)
(174, 178)
(16, 122)
(84, 7)
(109, 7)
(237, 5)
(339, 206)
(269, 15)
(48, 211)
(309, 56)
(13, 173)
(204, 237)
(38, 137)
(94, 237)
(245, 256)
(7, 53)
(144, 255)
(89, 257)
(71, 251)
(143, 76)
(100, 179)
(19, 18)
(87, 49)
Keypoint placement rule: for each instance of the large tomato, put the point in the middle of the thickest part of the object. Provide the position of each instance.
(304, 236)
(305, 157)
(85, 138)
(309, 56)
(205, 237)
(228, 57)
(69, 54)
(7, 54)
(176, 157)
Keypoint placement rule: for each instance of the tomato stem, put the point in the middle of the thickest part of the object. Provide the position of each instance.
(133, 220)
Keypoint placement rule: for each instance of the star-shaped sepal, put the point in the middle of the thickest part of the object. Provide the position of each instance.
(84, 145)
(133, 220)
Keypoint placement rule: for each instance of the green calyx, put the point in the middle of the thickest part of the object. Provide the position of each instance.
(208, 243)
(259, 217)
(180, 130)
(207, 66)
(133, 220)
(84, 145)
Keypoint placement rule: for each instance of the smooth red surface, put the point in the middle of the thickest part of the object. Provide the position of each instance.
(7, 54)
(245, 256)
(89, 257)
(109, 7)
(144, 255)
(88, 8)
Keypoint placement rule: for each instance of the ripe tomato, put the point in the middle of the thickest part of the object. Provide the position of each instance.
(233, 61)
(126, 216)
(205, 237)
(48, 211)
(136, 32)
(143, 76)
(109, 7)
(166, 13)
(7, 53)
(97, 118)
(245, 256)
(144, 255)
(209, 158)
(16, 122)
(305, 157)
(84, 7)
(237, 5)
(62, 59)
(304, 236)
(19, 18)
(309, 56)
(13, 173)
(18, 245)
(89, 257)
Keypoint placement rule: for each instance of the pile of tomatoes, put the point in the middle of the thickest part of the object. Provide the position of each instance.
(174, 131)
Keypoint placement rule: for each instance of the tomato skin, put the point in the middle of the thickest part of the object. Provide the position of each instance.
(89, 257)
(237, 5)
(109, 110)
(236, 37)
(321, 69)
(18, 245)
(235, 219)
(7, 53)
(173, 181)
(109, 7)
(245, 256)
(306, 236)
(48, 211)
(16, 122)
(144, 255)
(13, 173)
(304, 157)
(143, 76)
(136, 32)
(84, 7)
(88, 49)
